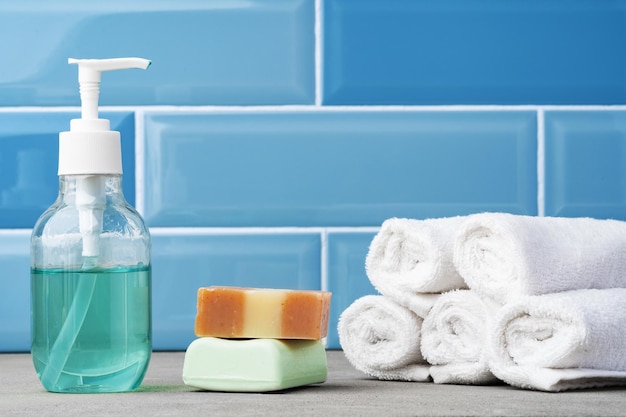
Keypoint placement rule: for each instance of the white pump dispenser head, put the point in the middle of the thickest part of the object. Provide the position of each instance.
(90, 149)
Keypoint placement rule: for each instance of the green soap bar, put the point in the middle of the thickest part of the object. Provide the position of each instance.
(253, 365)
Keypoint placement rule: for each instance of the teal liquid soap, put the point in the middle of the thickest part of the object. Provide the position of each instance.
(91, 328)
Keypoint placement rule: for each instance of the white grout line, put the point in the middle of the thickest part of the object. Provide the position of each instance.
(15, 232)
(199, 231)
(140, 163)
(319, 36)
(59, 109)
(541, 174)
(353, 229)
(318, 108)
(324, 261)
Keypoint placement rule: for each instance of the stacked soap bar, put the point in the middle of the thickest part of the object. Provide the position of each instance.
(253, 365)
(262, 313)
(257, 339)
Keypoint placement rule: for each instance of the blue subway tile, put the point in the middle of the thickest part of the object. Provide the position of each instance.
(477, 52)
(29, 149)
(585, 174)
(184, 263)
(203, 52)
(15, 293)
(336, 168)
(346, 275)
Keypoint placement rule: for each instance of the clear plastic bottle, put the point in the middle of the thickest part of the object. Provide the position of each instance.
(90, 261)
(91, 324)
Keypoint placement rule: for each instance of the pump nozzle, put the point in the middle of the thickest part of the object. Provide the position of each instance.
(90, 73)
(90, 150)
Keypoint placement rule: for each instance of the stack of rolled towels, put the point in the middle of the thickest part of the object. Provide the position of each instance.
(534, 302)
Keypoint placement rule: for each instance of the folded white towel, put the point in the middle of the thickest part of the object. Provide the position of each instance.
(409, 256)
(382, 339)
(454, 338)
(555, 342)
(504, 255)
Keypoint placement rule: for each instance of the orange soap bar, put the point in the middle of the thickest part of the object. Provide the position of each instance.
(262, 313)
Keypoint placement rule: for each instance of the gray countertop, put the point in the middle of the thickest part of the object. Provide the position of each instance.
(347, 392)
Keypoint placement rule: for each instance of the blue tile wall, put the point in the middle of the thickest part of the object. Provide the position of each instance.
(335, 169)
(585, 154)
(15, 294)
(271, 138)
(203, 52)
(479, 52)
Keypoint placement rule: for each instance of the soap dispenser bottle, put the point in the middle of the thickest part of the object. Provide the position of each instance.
(90, 260)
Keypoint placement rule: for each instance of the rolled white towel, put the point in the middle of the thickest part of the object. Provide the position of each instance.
(454, 338)
(409, 256)
(503, 255)
(555, 342)
(382, 339)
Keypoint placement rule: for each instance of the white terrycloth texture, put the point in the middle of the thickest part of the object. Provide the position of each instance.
(408, 257)
(454, 338)
(382, 339)
(568, 340)
(504, 255)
